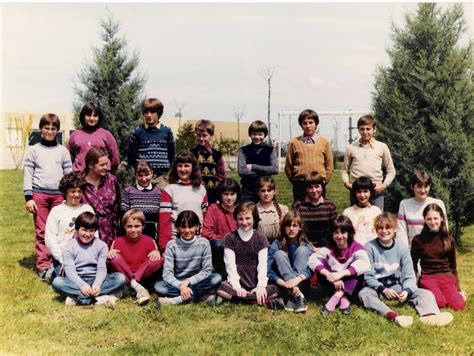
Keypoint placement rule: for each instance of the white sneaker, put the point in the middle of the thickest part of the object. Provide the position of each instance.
(441, 319)
(404, 321)
(106, 300)
(143, 297)
(164, 301)
(70, 302)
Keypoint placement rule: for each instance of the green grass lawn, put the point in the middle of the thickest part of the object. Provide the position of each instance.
(33, 320)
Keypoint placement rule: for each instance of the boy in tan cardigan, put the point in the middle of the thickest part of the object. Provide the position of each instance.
(307, 153)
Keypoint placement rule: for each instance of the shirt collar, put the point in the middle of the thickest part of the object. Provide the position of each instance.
(371, 143)
(262, 209)
(146, 189)
(308, 139)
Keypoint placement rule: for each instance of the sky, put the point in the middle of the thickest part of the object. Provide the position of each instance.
(206, 57)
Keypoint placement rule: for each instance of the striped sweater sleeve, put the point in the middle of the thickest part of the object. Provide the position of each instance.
(164, 219)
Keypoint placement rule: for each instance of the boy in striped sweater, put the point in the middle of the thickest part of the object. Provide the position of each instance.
(306, 153)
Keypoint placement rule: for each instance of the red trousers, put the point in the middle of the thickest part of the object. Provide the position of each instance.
(44, 204)
(146, 269)
(444, 289)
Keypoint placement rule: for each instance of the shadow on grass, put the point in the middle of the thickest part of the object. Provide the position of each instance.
(28, 262)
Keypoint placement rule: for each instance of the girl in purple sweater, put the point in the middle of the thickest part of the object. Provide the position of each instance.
(91, 134)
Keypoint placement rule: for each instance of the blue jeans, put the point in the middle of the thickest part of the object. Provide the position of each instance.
(67, 288)
(300, 264)
(165, 289)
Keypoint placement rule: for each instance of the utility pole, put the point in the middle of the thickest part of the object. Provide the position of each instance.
(350, 127)
(178, 115)
(267, 74)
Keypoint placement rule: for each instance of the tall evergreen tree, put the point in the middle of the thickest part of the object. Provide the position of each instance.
(111, 81)
(424, 106)
(186, 137)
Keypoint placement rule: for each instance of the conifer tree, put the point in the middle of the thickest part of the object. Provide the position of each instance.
(110, 80)
(424, 107)
(186, 137)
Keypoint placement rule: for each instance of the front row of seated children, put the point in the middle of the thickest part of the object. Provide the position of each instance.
(255, 272)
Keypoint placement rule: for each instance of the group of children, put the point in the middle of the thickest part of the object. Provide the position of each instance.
(192, 234)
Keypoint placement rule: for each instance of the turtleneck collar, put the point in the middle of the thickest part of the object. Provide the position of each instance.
(245, 235)
(48, 143)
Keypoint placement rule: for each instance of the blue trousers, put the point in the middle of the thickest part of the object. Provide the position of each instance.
(300, 264)
(167, 290)
(67, 288)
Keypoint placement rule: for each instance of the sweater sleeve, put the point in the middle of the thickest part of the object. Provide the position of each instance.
(271, 273)
(171, 147)
(231, 268)
(67, 163)
(164, 226)
(314, 261)
(262, 279)
(210, 222)
(402, 228)
(206, 269)
(28, 171)
(168, 267)
(452, 261)
(272, 169)
(346, 165)
(51, 235)
(387, 162)
(329, 161)
(221, 169)
(289, 161)
(204, 204)
(361, 263)
(112, 150)
(101, 265)
(242, 164)
(415, 253)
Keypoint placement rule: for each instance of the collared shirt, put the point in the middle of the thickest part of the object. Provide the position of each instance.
(146, 189)
(310, 140)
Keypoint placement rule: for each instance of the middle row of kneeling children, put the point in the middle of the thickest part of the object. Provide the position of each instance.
(291, 259)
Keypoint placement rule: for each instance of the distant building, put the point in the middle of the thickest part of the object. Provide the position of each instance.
(12, 125)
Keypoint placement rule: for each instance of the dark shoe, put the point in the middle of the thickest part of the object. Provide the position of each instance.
(290, 304)
(300, 305)
(276, 304)
(346, 311)
(325, 311)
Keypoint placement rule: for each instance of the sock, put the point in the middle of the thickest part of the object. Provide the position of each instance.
(135, 285)
(345, 303)
(333, 302)
(391, 315)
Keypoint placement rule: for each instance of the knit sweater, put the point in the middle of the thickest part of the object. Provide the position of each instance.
(367, 160)
(263, 161)
(269, 223)
(389, 265)
(410, 217)
(433, 259)
(317, 219)
(148, 201)
(59, 228)
(153, 144)
(80, 260)
(212, 167)
(176, 198)
(82, 140)
(187, 260)
(354, 258)
(45, 164)
(134, 252)
(363, 221)
(303, 158)
(218, 222)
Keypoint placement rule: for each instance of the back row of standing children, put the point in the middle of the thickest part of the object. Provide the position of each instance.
(154, 142)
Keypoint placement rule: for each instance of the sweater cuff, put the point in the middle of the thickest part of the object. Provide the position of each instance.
(28, 198)
(320, 268)
(353, 271)
(409, 291)
(380, 289)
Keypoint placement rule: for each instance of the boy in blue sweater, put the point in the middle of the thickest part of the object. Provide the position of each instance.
(84, 261)
(255, 160)
(153, 142)
(392, 277)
